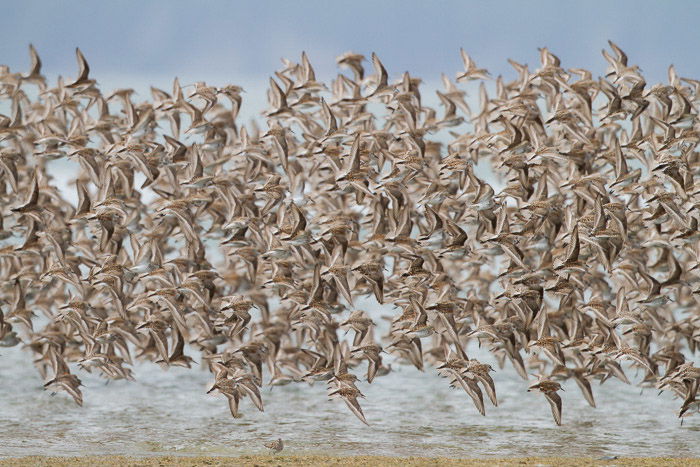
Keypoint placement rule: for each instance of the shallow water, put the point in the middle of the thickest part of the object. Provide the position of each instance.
(411, 413)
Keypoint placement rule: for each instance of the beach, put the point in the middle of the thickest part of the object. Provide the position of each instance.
(309, 460)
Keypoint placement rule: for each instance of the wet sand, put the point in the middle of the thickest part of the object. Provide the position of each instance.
(265, 460)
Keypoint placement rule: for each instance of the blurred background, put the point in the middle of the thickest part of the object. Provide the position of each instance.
(136, 44)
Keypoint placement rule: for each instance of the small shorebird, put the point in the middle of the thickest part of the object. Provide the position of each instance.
(549, 388)
(275, 446)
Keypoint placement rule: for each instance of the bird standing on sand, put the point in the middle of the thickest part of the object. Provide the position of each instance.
(275, 446)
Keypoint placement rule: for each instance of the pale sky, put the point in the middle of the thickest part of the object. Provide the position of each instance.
(129, 43)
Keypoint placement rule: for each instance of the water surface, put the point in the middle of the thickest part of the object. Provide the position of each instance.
(411, 413)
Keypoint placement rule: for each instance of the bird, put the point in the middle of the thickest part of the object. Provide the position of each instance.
(549, 389)
(355, 227)
(275, 446)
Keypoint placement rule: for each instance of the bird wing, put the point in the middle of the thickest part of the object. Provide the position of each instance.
(555, 402)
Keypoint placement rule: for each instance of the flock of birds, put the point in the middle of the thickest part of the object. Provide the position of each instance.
(554, 222)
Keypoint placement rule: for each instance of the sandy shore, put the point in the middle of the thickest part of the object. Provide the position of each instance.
(265, 460)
